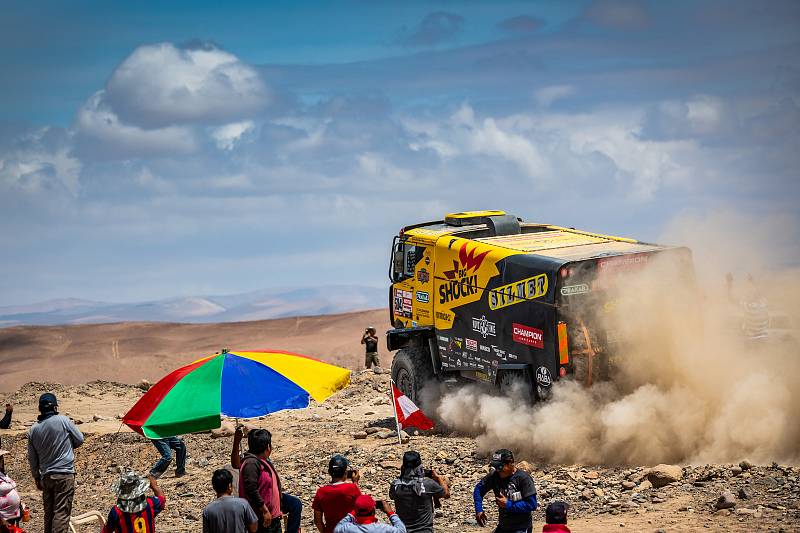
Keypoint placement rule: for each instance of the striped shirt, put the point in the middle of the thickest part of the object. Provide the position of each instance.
(142, 522)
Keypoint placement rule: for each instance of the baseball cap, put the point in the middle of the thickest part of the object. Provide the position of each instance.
(337, 466)
(48, 399)
(364, 510)
(556, 512)
(411, 459)
(501, 457)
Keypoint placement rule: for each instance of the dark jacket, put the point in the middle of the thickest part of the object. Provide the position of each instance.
(5, 422)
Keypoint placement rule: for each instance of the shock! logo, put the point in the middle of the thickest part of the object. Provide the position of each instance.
(462, 280)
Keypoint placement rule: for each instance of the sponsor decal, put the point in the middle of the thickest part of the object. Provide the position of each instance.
(422, 312)
(472, 344)
(569, 290)
(485, 348)
(462, 280)
(444, 339)
(485, 328)
(519, 291)
(441, 315)
(482, 376)
(543, 377)
(427, 260)
(423, 276)
(498, 352)
(512, 356)
(623, 262)
(455, 344)
(528, 335)
(413, 323)
(403, 303)
(422, 297)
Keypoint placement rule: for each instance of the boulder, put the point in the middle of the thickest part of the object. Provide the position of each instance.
(226, 429)
(662, 475)
(726, 500)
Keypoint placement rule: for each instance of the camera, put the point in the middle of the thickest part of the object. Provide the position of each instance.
(379, 505)
(350, 473)
(428, 472)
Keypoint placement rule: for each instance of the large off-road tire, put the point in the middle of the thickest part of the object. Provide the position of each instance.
(411, 369)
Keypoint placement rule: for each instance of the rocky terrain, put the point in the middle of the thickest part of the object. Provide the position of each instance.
(358, 422)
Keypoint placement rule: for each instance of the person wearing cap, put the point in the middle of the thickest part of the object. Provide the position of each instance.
(514, 494)
(414, 493)
(555, 516)
(165, 447)
(370, 341)
(227, 514)
(363, 519)
(333, 501)
(10, 505)
(51, 457)
(135, 511)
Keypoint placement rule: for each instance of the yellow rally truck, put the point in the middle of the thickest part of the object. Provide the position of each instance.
(484, 296)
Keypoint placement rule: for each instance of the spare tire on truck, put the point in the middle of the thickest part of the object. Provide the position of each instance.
(411, 369)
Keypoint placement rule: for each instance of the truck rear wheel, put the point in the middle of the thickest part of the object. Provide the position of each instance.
(411, 369)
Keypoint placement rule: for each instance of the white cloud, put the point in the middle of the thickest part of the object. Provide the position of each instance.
(115, 138)
(229, 135)
(41, 161)
(547, 95)
(161, 84)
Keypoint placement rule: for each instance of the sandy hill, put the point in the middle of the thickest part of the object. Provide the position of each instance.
(130, 351)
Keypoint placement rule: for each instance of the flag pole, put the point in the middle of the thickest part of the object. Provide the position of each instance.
(394, 409)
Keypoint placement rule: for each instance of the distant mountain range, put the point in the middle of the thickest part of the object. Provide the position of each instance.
(256, 305)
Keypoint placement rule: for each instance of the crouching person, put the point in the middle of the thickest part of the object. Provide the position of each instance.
(135, 511)
(363, 519)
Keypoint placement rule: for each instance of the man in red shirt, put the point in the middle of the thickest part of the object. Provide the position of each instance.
(333, 501)
(135, 512)
(556, 518)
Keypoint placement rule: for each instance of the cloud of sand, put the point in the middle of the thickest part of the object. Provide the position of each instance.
(688, 387)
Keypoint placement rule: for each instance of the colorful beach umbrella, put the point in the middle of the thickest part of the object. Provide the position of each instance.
(234, 384)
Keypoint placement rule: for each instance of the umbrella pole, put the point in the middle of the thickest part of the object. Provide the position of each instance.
(394, 410)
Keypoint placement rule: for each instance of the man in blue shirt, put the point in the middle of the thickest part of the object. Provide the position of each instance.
(514, 493)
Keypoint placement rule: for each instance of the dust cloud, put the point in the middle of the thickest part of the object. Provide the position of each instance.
(689, 387)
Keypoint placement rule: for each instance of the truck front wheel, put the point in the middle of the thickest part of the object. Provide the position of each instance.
(411, 369)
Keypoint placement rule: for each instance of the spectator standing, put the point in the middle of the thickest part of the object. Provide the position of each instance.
(135, 511)
(260, 484)
(165, 447)
(227, 514)
(334, 501)
(5, 423)
(555, 516)
(51, 457)
(514, 494)
(370, 341)
(414, 494)
(10, 506)
(363, 519)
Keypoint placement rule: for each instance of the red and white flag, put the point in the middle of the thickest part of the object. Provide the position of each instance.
(408, 414)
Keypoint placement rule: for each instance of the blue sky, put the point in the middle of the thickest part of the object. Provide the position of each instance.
(160, 149)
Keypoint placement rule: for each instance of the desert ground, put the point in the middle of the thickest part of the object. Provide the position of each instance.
(96, 372)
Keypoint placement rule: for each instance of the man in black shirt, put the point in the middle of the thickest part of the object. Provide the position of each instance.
(514, 493)
(414, 493)
(370, 342)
